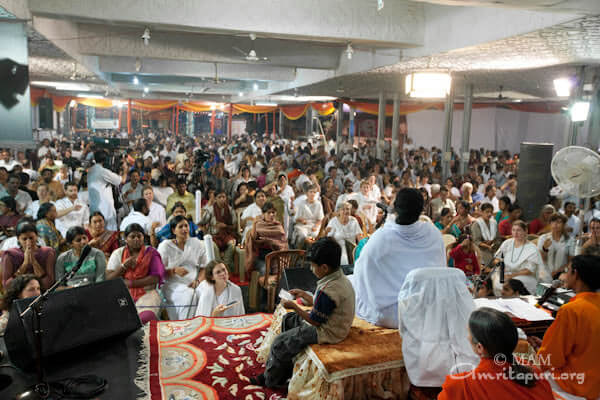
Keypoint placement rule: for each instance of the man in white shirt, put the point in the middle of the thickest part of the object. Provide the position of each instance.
(139, 215)
(132, 190)
(573, 222)
(490, 197)
(22, 198)
(77, 212)
(6, 161)
(100, 192)
(156, 212)
(168, 152)
(441, 202)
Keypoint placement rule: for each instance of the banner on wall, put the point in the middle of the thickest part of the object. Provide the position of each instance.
(105, 124)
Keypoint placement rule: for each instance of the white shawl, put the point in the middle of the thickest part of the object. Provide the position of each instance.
(488, 233)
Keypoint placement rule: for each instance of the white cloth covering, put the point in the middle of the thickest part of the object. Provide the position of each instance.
(389, 255)
(176, 289)
(101, 199)
(434, 306)
(341, 233)
(488, 232)
(136, 217)
(208, 300)
(312, 213)
(157, 214)
(516, 259)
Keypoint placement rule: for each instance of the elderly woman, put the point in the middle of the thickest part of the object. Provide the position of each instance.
(267, 235)
(46, 228)
(522, 260)
(344, 228)
(28, 258)
(541, 224)
(184, 258)
(555, 246)
(101, 238)
(142, 270)
(22, 287)
(218, 296)
(93, 268)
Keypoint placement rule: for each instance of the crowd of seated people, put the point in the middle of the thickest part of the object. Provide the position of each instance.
(258, 195)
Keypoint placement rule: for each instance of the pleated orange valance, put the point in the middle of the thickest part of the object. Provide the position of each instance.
(294, 112)
(253, 109)
(60, 103)
(153, 105)
(195, 106)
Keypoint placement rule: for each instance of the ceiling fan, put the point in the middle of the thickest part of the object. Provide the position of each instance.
(251, 55)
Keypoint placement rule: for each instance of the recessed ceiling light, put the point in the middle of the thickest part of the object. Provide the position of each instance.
(146, 89)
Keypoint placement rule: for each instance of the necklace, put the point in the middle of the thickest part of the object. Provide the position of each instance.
(512, 260)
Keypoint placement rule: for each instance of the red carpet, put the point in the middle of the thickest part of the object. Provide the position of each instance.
(236, 279)
(206, 358)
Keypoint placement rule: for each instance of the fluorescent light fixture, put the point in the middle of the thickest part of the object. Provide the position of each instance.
(579, 111)
(72, 103)
(562, 87)
(255, 86)
(136, 81)
(428, 85)
(90, 96)
(118, 103)
(66, 86)
(240, 94)
(146, 89)
(302, 99)
(349, 51)
(267, 104)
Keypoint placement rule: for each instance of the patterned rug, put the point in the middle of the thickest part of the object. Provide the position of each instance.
(204, 358)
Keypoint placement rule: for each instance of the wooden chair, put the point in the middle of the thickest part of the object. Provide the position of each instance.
(275, 263)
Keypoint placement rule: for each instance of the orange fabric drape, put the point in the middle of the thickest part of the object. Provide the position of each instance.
(36, 94)
(195, 106)
(60, 103)
(152, 105)
(294, 112)
(253, 109)
(98, 103)
(324, 108)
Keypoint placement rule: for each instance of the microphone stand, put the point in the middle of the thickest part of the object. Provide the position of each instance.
(41, 390)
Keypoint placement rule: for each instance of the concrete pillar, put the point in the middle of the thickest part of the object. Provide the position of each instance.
(351, 127)
(190, 123)
(573, 129)
(230, 121)
(447, 143)
(308, 127)
(67, 122)
(281, 116)
(380, 126)
(466, 131)
(593, 137)
(395, 127)
(340, 126)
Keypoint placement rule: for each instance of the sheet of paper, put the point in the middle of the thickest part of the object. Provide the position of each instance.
(285, 295)
(517, 307)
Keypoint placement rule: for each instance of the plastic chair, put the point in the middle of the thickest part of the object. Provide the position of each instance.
(448, 239)
(275, 263)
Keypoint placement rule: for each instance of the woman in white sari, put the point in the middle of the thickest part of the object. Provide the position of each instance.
(522, 260)
(343, 227)
(367, 205)
(219, 297)
(184, 258)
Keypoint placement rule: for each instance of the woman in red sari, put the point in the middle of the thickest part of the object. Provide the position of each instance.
(267, 235)
(101, 238)
(494, 337)
(142, 270)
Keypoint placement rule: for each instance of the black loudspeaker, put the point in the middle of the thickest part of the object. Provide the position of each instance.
(71, 319)
(298, 278)
(45, 109)
(534, 178)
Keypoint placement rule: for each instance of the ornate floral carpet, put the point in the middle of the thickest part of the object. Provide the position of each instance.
(204, 358)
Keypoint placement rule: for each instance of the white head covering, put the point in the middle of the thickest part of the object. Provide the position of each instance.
(434, 306)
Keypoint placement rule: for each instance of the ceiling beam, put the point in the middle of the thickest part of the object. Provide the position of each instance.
(399, 23)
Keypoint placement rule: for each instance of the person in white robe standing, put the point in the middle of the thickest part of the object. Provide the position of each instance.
(184, 258)
(393, 251)
(101, 197)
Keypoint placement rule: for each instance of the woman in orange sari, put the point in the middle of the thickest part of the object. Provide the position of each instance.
(494, 337)
(142, 270)
(267, 235)
(101, 238)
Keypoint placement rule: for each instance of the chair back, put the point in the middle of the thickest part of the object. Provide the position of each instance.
(448, 239)
(277, 261)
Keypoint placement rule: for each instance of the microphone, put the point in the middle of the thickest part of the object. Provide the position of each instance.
(84, 253)
(549, 292)
(383, 206)
(502, 267)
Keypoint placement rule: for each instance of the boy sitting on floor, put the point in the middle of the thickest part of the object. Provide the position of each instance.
(329, 321)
